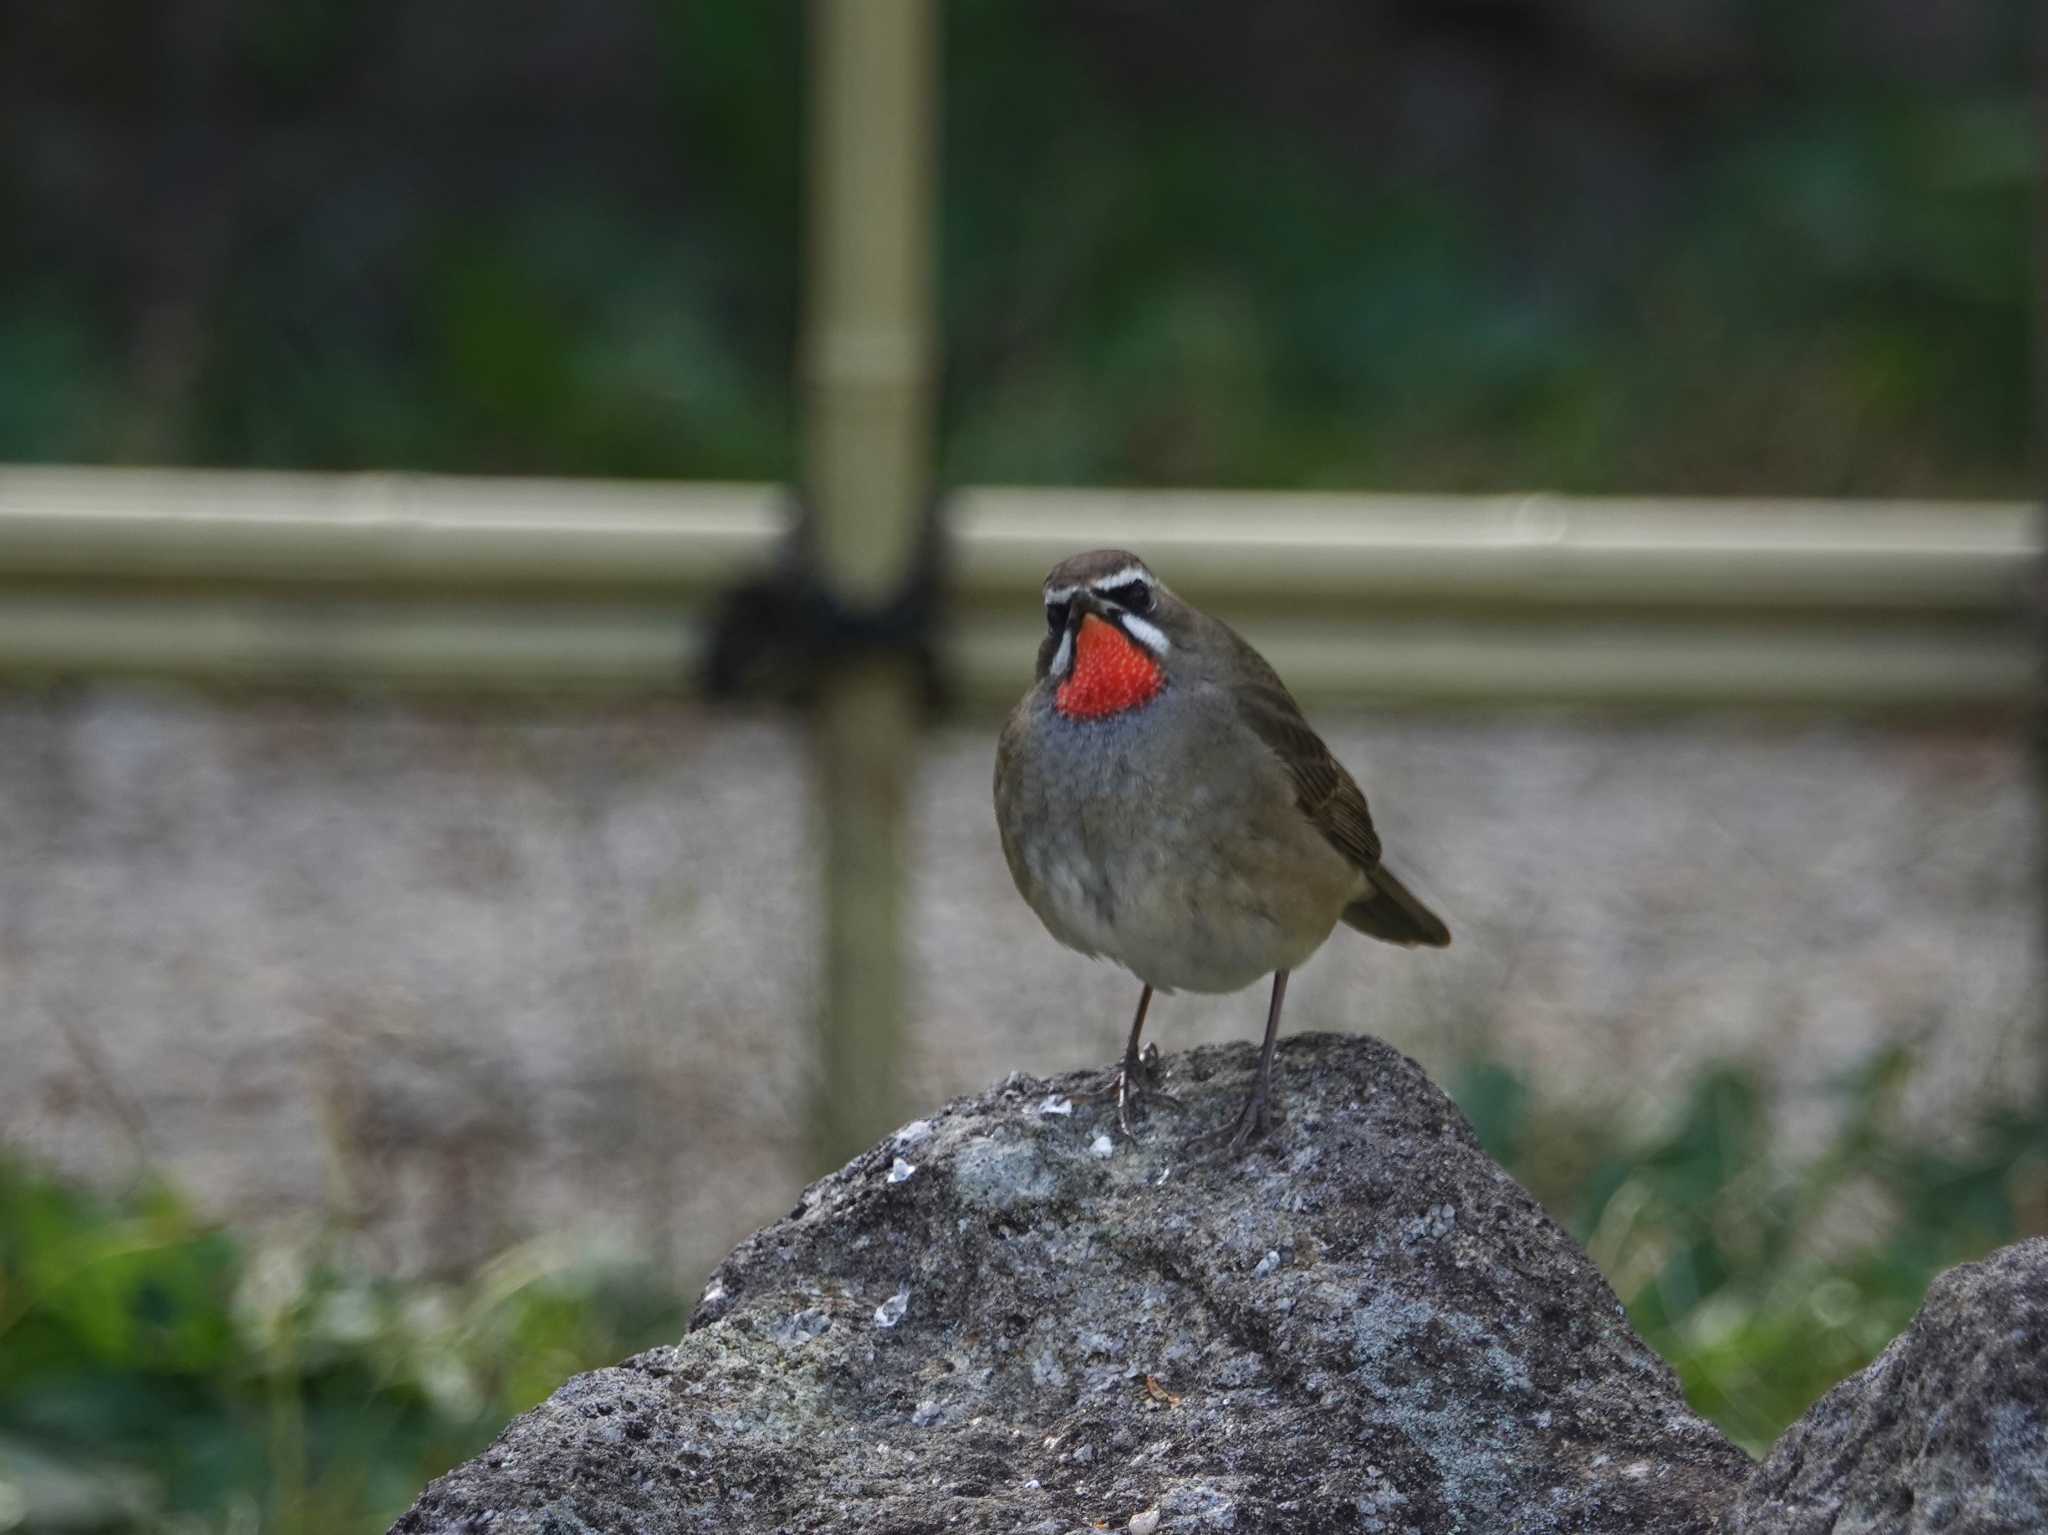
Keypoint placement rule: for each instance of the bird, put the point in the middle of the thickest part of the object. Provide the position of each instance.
(1163, 803)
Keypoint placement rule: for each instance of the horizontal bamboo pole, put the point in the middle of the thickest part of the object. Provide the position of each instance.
(520, 584)
(348, 641)
(1516, 550)
(500, 646)
(456, 532)
(372, 529)
(1689, 665)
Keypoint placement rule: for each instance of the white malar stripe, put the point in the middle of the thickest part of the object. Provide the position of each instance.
(1146, 633)
(1122, 577)
(1064, 655)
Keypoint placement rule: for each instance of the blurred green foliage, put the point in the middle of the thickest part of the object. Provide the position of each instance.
(1709, 247)
(158, 1372)
(1763, 1273)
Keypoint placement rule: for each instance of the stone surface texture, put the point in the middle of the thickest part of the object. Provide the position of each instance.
(1947, 1430)
(1003, 1319)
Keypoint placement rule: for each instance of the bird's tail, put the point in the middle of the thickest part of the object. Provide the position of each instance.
(1392, 912)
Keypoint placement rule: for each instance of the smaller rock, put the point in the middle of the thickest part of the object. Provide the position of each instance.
(901, 1171)
(1947, 1430)
(1056, 1104)
(1101, 1146)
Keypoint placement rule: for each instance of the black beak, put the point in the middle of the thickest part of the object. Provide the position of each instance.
(1060, 659)
(1086, 602)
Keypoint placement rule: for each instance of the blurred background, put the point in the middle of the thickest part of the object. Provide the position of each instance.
(1617, 420)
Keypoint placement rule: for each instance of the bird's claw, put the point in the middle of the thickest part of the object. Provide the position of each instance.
(1254, 1121)
(1134, 1093)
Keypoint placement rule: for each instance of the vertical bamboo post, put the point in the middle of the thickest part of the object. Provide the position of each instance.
(2040, 471)
(866, 369)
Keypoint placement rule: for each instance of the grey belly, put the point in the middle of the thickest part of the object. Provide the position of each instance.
(1194, 881)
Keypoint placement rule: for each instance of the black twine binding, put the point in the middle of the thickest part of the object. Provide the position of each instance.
(777, 634)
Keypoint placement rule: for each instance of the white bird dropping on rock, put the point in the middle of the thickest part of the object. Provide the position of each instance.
(891, 1311)
(900, 1173)
(1145, 1523)
(1101, 1146)
(1055, 1104)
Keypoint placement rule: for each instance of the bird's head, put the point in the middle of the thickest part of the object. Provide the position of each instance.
(1111, 630)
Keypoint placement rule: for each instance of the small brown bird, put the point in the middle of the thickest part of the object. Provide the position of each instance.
(1163, 803)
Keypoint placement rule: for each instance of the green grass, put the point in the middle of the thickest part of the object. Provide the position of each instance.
(160, 1372)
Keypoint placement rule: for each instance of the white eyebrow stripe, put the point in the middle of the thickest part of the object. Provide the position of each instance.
(1060, 594)
(1122, 577)
(1148, 634)
(1063, 655)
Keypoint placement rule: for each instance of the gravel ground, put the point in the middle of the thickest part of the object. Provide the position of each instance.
(464, 975)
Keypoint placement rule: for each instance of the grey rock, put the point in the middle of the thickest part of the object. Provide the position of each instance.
(1947, 1430)
(1086, 1339)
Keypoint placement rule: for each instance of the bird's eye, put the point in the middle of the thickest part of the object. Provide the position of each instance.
(1131, 596)
(1056, 616)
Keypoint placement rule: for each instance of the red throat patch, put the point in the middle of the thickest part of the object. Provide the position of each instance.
(1111, 673)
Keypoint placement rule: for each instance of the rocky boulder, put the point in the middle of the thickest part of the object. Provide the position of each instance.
(1006, 1319)
(1947, 1430)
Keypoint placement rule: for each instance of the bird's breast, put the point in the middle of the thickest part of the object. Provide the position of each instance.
(1168, 840)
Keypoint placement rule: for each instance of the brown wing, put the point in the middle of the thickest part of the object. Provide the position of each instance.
(1334, 803)
(1325, 792)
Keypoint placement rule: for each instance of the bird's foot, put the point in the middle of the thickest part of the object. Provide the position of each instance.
(1135, 1087)
(1254, 1120)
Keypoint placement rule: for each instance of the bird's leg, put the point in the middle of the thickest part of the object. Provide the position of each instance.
(1256, 1117)
(1134, 1078)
